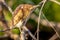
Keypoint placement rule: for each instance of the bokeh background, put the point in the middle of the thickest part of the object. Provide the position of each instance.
(51, 11)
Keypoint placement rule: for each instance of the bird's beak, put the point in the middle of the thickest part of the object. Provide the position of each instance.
(34, 7)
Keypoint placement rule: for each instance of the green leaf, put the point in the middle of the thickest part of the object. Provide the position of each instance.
(16, 31)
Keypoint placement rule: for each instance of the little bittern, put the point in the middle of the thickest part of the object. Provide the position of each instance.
(22, 12)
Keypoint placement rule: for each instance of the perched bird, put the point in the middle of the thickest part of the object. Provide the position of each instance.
(21, 13)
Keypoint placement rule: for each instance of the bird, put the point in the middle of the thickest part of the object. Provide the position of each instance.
(21, 13)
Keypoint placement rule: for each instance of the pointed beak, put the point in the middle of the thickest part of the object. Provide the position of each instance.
(35, 6)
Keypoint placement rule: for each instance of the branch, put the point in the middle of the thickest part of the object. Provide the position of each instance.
(39, 18)
(53, 37)
(25, 28)
(4, 3)
(55, 1)
(44, 22)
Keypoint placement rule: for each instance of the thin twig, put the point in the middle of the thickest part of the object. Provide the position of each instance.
(4, 3)
(40, 3)
(55, 1)
(39, 19)
(44, 21)
(53, 37)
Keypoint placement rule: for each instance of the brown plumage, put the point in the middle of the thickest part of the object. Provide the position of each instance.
(22, 12)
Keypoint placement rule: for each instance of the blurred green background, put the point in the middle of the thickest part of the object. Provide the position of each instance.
(51, 11)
